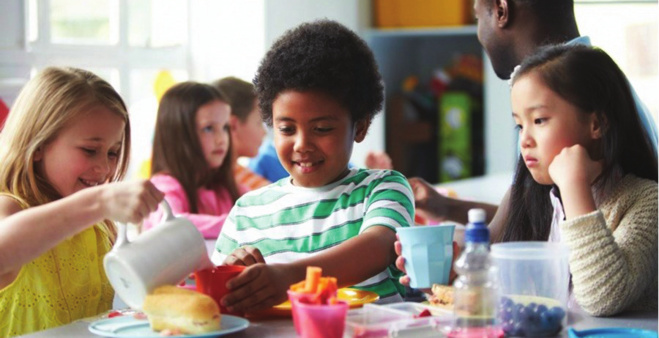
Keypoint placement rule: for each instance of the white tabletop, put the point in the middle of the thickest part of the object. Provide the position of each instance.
(488, 189)
(283, 327)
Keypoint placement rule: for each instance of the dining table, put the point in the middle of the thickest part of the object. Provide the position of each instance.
(488, 189)
(281, 326)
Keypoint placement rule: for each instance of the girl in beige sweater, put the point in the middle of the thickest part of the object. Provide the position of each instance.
(586, 176)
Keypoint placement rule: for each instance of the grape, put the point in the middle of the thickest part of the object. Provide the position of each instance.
(508, 326)
(521, 313)
(531, 307)
(541, 308)
(547, 320)
(531, 320)
(506, 302)
(558, 312)
(506, 313)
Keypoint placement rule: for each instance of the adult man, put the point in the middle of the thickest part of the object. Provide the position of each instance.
(509, 31)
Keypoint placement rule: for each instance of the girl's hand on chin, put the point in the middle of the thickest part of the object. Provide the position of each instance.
(573, 166)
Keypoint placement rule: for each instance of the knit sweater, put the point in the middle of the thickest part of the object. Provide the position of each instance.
(613, 250)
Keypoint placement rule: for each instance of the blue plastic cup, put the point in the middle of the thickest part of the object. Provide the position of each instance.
(428, 253)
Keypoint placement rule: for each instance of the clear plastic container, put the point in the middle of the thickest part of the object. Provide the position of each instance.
(534, 280)
(397, 320)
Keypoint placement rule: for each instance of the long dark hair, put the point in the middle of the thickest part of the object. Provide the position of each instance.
(176, 148)
(590, 80)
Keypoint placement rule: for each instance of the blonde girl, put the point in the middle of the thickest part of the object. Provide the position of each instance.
(63, 149)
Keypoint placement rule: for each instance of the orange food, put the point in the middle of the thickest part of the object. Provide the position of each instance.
(313, 278)
(319, 290)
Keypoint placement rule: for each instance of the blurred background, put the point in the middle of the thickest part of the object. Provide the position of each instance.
(446, 116)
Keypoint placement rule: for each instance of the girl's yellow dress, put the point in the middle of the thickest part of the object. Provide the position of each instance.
(62, 285)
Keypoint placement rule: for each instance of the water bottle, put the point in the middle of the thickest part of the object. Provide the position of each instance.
(476, 289)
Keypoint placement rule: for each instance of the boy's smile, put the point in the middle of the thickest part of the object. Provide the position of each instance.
(314, 137)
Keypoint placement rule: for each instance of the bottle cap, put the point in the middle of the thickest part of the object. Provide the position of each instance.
(476, 216)
(477, 231)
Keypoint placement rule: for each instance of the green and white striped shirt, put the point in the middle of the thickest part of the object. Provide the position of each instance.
(287, 223)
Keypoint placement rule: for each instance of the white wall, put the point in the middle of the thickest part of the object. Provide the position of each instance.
(218, 51)
(500, 134)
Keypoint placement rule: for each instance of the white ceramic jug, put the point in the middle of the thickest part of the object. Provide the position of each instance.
(165, 254)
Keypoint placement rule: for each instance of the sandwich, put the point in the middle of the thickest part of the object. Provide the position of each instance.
(442, 296)
(181, 311)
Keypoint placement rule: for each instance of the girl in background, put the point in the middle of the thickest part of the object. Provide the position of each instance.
(64, 146)
(191, 160)
(247, 129)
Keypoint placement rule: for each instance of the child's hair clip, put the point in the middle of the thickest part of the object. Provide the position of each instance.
(512, 76)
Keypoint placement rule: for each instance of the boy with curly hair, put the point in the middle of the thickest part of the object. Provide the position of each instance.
(319, 88)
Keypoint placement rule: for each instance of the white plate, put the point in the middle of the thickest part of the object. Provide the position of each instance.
(128, 326)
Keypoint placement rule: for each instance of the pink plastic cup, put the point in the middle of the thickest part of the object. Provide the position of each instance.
(293, 298)
(315, 321)
(213, 282)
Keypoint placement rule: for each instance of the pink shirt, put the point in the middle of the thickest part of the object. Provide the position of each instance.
(213, 206)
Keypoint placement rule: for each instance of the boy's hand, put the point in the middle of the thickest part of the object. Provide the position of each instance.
(245, 255)
(400, 262)
(259, 287)
(129, 201)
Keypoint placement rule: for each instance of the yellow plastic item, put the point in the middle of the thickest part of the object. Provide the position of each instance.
(421, 13)
(356, 298)
(164, 80)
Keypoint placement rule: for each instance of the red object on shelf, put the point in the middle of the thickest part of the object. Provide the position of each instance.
(4, 111)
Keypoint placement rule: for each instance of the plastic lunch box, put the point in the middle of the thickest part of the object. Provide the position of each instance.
(397, 320)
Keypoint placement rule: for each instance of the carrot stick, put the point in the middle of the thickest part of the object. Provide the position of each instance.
(313, 276)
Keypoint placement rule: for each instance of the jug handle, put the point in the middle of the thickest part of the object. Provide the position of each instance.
(168, 215)
(122, 228)
(122, 237)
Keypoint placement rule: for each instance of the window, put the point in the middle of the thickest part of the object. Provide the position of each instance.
(125, 42)
(627, 31)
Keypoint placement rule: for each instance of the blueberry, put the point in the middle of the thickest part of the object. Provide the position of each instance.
(519, 312)
(506, 302)
(558, 312)
(505, 313)
(509, 327)
(547, 320)
(531, 314)
(531, 306)
(540, 309)
(519, 330)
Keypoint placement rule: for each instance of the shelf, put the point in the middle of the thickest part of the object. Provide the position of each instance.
(421, 32)
(412, 133)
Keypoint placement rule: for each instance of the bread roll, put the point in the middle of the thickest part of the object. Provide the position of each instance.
(181, 310)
